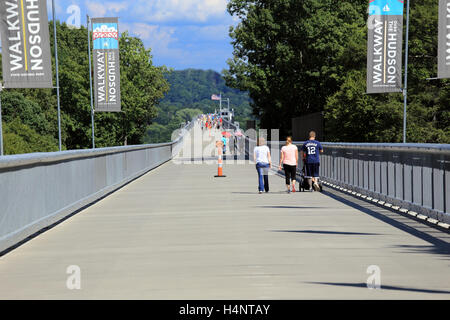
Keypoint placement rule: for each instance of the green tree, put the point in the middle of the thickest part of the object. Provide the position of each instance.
(162, 133)
(288, 54)
(34, 110)
(142, 87)
(297, 57)
(20, 138)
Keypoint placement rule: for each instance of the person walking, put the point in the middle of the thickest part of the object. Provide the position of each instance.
(310, 154)
(261, 156)
(224, 141)
(289, 160)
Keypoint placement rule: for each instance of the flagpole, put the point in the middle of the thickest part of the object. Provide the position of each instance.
(57, 76)
(90, 82)
(405, 89)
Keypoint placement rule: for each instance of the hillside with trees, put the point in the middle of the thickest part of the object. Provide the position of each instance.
(189, 95)
(299, 57)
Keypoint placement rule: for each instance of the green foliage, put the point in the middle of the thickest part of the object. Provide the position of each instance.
(20, 138)
(298, 57)
(34, 110)
(157, 132)
(191, 90)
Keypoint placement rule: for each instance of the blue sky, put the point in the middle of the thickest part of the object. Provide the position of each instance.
(181, 33)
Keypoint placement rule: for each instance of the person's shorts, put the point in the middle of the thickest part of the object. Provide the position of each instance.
(312, 170)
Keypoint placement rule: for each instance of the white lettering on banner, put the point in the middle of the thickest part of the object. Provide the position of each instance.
(377, 51)
(101, 77)
(15, 49)
(34, 29)
(112, 78)
(447, 58)
(392, 52)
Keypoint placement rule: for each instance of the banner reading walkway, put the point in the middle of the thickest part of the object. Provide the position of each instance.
(26, 56)
(384, 51)
(444, 39)
(106, 64)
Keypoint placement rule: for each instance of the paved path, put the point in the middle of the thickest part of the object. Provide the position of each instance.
(179, 233)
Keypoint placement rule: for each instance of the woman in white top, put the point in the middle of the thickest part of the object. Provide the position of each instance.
(261, 156)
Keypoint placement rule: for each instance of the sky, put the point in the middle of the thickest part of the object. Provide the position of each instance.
(181, 33)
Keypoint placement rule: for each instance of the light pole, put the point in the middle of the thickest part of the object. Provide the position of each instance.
(57, 76)
(90, 82)
(405, 89)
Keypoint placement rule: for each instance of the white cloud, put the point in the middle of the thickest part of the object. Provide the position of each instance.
(180, 10)
(211, 33)
(157, 11)
(58, 9)
(156, 37)
(100, 9)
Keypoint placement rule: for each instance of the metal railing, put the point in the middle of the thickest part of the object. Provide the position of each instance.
(37, 190)
(412, 176)
(415, 177)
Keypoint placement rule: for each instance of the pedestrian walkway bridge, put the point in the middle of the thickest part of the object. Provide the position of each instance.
(176, 232)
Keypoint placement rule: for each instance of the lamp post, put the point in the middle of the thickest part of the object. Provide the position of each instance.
(90, 82)
(405, 89)
(57, 76)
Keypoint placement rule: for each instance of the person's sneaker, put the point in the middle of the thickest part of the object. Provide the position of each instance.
(311, 190)
(260, 192)
(288, 191)
(316, 186)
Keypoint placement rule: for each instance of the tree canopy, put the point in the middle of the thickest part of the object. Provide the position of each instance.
(299, 57)
(31, 113)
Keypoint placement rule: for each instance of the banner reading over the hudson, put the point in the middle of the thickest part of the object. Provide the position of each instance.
(24, 34)
(105, 32)
(444, 39)
(384, 49)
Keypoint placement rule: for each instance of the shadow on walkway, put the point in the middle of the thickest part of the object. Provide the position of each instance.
(256, 192)
(433, 236)
(424, 249)
(394, 288)
(290, 207)
(329, 232)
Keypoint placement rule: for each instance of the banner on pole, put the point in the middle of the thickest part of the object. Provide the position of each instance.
(444, 39)
(26, 58)
(384, 47)
(105, 34)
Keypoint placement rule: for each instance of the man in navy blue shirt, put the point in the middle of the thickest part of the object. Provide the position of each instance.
(310, 155)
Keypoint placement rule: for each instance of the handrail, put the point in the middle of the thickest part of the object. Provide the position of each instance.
(38, 190)
(37, 158)
(413, 177)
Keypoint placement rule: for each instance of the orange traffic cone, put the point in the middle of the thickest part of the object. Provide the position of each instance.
(219, 161)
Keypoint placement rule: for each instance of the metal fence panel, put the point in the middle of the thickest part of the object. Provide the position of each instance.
(414, 176)
(37, 190)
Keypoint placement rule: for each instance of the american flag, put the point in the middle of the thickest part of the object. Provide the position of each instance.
(215, 97)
